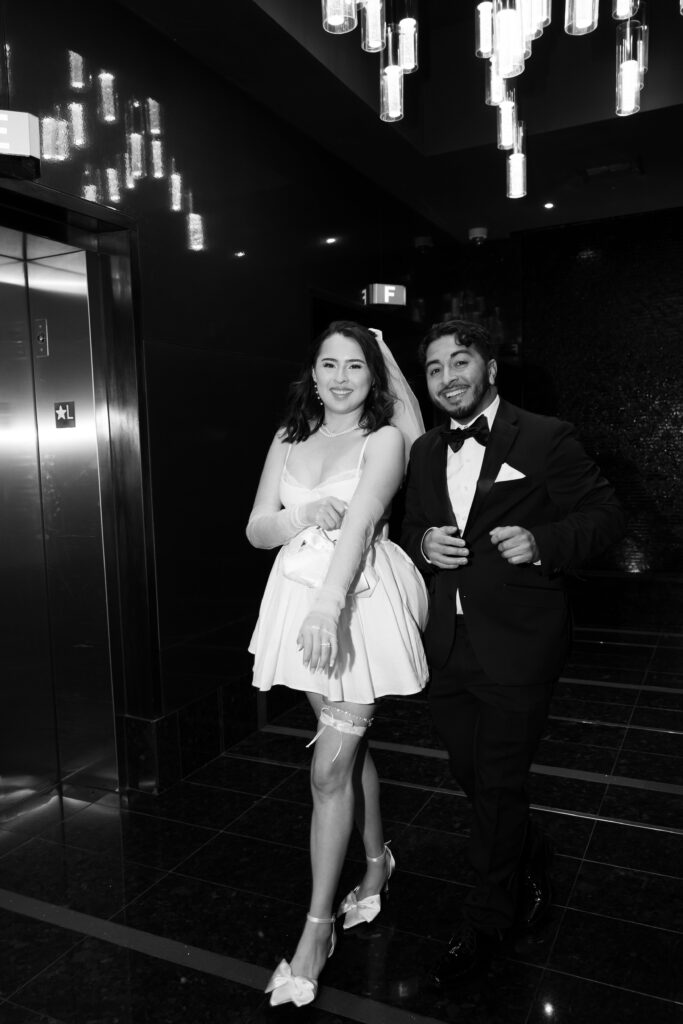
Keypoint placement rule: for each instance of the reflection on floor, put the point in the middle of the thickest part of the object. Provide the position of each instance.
(175, 909)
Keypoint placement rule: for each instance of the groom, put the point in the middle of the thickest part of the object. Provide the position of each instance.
(498, 508)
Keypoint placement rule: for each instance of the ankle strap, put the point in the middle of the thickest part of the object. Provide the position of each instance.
(376, 860)
(320, 920)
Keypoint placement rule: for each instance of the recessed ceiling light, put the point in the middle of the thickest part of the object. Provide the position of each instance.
(549, 206)
(239, 254)
(331, 240)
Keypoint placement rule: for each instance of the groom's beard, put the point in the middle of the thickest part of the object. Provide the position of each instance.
(466, 406)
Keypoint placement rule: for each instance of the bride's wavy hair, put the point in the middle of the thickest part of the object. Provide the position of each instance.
(304, 414)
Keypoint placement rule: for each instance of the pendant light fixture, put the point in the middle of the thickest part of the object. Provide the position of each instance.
(407, 37)
(580, 17)
(627, 71)
(508, 38)
(516, 165)
(391, 78)
(339, 16)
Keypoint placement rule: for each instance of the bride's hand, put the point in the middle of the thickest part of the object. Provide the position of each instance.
(326, 513)
(318, 641)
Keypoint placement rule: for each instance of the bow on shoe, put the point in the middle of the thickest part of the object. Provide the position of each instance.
(290, 988)
(360, 911)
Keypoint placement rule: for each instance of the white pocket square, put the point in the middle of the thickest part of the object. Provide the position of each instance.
(508, 473)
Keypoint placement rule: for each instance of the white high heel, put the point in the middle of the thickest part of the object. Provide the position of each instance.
(364, 911)
(295, 988)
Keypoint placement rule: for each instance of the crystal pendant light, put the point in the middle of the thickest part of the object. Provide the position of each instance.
(528, 26)
(642, 34)
(507, 118)
(516, 165)
(483, 29)
(339, 16)
(623, 9)
(194, 226)
(539, 12)
(391, 79)
(135, 140)
(78, 79)
(54, 140)
(580, 17)
(107, 105)
(77, 125)
(508, 38)
(495, 86)
(627, 71)
(373, 25)
(175, 188)
(407, 38)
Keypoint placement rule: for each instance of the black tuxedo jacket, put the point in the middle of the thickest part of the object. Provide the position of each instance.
(517, 616)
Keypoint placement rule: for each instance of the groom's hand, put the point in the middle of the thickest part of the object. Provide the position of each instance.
(442, 548)
(516, 545)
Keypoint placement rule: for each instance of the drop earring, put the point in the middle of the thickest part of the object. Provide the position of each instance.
(317, 393)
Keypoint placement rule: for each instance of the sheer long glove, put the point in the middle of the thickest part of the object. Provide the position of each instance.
(268, 528)
(318, 635)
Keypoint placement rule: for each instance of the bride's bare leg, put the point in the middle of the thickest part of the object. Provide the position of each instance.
(369, 820)
(334, 756)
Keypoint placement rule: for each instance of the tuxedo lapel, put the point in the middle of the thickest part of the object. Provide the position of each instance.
(503, 433)
(437, 473)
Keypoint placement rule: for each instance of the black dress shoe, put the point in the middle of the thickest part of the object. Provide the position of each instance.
(469, 954)
(535, 890)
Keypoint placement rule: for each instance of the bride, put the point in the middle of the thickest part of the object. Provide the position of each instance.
(343, 608)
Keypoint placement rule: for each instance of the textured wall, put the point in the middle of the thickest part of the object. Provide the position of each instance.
(603, 322)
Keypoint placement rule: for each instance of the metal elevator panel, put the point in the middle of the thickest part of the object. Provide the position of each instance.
(67, 669)
(28, 751)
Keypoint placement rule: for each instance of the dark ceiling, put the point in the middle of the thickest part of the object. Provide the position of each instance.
(442, 158)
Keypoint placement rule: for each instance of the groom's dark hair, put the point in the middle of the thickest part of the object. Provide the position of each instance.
(466, 332)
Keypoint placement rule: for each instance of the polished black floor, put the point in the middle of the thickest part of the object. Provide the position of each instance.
(175, 909)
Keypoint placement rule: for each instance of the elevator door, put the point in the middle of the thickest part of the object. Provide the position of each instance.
(55, 680)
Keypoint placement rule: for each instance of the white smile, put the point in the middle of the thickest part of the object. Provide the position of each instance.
(454, 392)
(341, 392)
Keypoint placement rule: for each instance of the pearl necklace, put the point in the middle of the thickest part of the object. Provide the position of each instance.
(328, 433)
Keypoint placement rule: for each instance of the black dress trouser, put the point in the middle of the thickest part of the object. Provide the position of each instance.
(491, 732)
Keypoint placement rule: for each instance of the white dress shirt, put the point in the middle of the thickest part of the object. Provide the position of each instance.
(462, 472)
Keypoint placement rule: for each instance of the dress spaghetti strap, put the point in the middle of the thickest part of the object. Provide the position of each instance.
(362, 454)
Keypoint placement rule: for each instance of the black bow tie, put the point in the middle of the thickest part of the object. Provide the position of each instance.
(479, 430)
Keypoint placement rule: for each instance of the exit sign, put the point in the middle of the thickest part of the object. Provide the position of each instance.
(384, 295)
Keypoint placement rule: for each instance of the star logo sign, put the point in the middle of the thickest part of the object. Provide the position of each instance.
(65, 414)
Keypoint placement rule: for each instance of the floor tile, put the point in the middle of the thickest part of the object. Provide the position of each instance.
(553, 791)
(241, 774)
(642, 805)
(640, 848)
(593, 734)
(10, 1013)
(253, 865)
(193, 804)
(572, 1000)
(668, 659)
(93, 883)
(275, 747)
(577, 756)
(655, 741)
(417, 769)
(110, 985)
(640, 897)
(27, 947)
(665, 699)
(602, 673)
(656, 767)
(632, 956)
(156, 842)
(219, 918)
(11, 840)
(665, 719)
(592, 710)
(619, 655)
